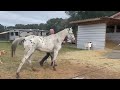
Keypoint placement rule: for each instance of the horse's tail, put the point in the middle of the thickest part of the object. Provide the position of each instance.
(15, 43)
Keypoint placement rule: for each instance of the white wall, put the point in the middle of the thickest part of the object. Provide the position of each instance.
(94, 33)
(23, 34)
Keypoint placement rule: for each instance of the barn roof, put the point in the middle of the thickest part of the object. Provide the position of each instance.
(107, 20)
(3, 32)
(26, 30)
(115, 15)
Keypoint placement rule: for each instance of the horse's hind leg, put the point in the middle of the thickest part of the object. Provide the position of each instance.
(26, 56)
(20, 66)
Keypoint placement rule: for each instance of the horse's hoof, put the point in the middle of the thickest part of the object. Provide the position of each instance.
(34, 69)
(41, 63)
(54, 69)
(17, 75)
(55, 64)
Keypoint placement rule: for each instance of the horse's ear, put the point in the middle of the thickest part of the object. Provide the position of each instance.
(71, 29)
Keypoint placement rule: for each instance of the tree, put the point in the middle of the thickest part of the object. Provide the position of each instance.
(20, 26)
(42, 26)
(10, 27)
(79, 15)
(2, 28)
(55, 23)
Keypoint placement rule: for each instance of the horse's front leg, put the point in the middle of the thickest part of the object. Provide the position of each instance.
(54, 59)
(51, 55)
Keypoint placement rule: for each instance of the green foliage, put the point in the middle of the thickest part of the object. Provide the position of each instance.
(56, 23)
(2, 28)
(79, 15)
(42, 26)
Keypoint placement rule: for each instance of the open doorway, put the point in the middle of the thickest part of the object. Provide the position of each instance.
(112, 36)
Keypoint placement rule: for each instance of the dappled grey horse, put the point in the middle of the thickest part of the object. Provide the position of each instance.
(51, 44)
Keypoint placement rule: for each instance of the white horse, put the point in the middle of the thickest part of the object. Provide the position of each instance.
(51, 44)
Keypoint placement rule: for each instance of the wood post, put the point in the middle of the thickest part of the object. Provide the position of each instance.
(115, 28)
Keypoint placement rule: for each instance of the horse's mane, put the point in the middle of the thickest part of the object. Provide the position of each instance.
(61, 31)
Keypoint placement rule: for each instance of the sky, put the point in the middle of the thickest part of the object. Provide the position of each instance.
(10, 18)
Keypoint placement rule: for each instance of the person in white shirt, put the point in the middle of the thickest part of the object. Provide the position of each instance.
(52, 31)
(89, 45)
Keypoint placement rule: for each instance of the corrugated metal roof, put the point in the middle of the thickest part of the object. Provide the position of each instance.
(96, 20)
(115, 15)
(24, 30)
(85, 20)
(3, 32)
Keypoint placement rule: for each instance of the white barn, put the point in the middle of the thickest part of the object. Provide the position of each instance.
(15, 33)
(91, 33)
(97, 31)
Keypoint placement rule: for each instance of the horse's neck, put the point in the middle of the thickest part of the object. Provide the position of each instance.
(62, 35)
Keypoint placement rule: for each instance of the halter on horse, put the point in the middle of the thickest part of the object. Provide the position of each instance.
(51, 44)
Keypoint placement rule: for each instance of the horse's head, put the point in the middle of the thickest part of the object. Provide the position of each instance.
(70, 35)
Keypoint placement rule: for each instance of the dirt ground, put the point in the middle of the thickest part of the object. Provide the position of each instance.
(72, 63)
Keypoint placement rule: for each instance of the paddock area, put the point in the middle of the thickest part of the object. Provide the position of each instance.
(72, 63)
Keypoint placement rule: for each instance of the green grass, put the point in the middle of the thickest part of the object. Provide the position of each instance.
(5, 45)
(10, 65)
(65, 48)
(70, 61)
(68, 48)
